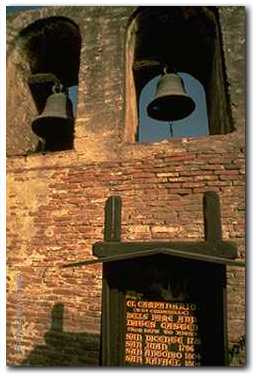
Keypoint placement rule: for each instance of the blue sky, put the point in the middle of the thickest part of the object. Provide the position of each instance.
(15, 8)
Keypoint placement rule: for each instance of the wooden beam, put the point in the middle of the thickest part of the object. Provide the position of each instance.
(151, 252)
(112, 229)
(212, 217)
(219, 248)
(112, 232)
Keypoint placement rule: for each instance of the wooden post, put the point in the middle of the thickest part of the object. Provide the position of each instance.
(212, 217)
(112, 229)
(112, 232)
(213, 233)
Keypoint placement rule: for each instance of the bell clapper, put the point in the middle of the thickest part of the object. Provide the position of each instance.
(42, 145)
(171, 128)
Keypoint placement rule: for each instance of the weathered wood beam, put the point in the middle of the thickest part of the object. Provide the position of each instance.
(212, 217)
(151, 252)
(112, 232)
(112, 228)
(219, 248)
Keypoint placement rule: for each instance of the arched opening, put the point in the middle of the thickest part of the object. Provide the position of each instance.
(52, 45)
(45, 52)
(194, 125)
(187, 39)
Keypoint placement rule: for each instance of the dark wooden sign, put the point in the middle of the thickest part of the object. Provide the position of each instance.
(161, 333)
(163, 311)
(164, 303)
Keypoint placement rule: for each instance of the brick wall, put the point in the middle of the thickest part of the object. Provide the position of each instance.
(55, 206)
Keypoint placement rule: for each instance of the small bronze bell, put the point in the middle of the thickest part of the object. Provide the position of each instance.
(171, 100)
(57, 118)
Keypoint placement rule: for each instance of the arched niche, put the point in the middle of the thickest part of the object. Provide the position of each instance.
(50, 46)
(186, 38)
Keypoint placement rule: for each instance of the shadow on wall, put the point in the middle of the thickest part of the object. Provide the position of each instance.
(64, 348)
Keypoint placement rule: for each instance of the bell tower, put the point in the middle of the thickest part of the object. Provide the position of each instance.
(134, 286)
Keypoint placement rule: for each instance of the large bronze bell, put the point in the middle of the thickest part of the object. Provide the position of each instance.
(171, 100)
(56, 121)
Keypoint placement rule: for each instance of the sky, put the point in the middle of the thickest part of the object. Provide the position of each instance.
(15, 8)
